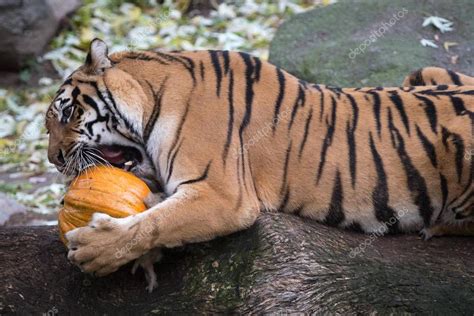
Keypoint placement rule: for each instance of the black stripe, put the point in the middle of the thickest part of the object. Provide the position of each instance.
(258, 68)
(380, 196)
(201, 66)
(67, 82)
(286, 199)
(297, 211)
(335, 215)
(461, 204)
(397, 100)
(189, 65)
(178, 135)
(285, 169)
(281, 95)
(321, 101)
(427, 146)
(230, 124)
(454, 77)
(225, 55)
(430, 111)
(217, 70)
(416, 183)
(187, 62)
(299, 102)
(75, 92)
(170, 171)
(99, 118)
(59, 92)
(112, 107)
(336, 90)
(198, 179)
(157, 97)
(249, 94)
(444, 190)
(145, 57)
(351, 142)
(376, 108)
(306, 132)
(458, 143)
(355, 226)
(327, 140)
(437, 93)
(317, 87)
(458, 105)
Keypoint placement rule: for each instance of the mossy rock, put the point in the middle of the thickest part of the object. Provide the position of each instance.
(283, 264)
(372, 43)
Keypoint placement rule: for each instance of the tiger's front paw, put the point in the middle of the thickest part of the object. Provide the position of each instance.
(105, 244)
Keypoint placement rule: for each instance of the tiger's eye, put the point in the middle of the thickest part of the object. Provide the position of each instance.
(67, 112)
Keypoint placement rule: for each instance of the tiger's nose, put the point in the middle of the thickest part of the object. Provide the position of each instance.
(57, 158)
(61, 157)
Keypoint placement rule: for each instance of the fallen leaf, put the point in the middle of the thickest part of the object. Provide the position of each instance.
(440, 23)
(7, 125)
(447, 45)
(428, 43)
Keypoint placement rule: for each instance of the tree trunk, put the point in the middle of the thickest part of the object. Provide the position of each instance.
(281, 264)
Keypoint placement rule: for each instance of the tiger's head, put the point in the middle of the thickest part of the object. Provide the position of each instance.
(96, 118)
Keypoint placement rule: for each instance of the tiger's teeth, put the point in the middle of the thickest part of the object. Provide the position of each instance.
(128, 165)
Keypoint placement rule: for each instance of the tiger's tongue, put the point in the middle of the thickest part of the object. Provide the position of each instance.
(114, 156)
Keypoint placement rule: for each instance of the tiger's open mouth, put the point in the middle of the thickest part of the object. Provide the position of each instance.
(123, 157)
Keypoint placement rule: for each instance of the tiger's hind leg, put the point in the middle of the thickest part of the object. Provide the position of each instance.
(437, 76)
(462, 229)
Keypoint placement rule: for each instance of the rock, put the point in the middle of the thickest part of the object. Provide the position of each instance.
(8, 207)
(283, 264)
(27, 26)
(372, 43)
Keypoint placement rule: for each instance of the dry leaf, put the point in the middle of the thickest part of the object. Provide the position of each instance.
(428, 43)
(447, 45)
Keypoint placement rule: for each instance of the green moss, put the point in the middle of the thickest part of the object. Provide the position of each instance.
(225, 280)
(222, 281)
(320, 45)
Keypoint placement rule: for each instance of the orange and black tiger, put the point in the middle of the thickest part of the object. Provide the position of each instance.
(227, 135)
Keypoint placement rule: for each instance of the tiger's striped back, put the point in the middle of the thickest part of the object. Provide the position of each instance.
(437, 76)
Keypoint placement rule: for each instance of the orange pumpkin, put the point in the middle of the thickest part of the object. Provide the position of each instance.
(104, 189)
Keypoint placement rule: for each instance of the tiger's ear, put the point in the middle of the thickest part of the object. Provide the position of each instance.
(97, 60)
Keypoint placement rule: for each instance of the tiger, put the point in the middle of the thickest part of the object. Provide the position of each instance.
(226, 135)
(437, 76)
